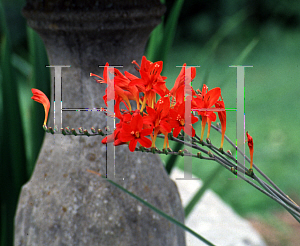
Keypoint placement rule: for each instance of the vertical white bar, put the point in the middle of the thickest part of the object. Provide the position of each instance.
(57, 101)
(188, 164)
(240, 116)
(110, 124)
(110, 163)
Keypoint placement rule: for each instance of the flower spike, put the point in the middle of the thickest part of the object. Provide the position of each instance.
(40, 97)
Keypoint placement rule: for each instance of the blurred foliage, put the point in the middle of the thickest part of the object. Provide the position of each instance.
(200, 20)
(269, 38)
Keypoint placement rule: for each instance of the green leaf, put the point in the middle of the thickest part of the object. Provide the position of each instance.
(162, 37)
(155, 40)
(39, 79)
(12, 153)
(170, 29)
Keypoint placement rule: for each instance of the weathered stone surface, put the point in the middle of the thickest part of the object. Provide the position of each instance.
(63, 204)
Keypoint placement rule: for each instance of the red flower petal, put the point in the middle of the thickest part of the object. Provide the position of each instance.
(132, 144)
(145, 142)
(40, 97)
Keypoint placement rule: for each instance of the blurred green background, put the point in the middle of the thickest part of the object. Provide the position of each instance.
(212, 34)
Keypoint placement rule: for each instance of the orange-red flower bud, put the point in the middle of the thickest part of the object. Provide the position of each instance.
(40, 97)
(250, 145)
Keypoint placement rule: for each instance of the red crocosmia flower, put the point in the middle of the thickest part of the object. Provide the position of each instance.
(124, 118)
(222, 117)
(159, 118)
(123, 82)
(151, 80)
(179, 95)
(177, 120)
(134, 133)
(204, 102)
(131, 77)
(250, 145)
(114, 137)
(40, 97)
(121, 88)
(181, 78)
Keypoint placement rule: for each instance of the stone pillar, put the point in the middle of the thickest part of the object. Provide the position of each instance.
(63, 204)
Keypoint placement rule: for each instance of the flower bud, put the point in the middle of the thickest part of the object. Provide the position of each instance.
(165, 151)
(154, 149)
(85, 132)
(250, 173)
(45, 128)
(199, 155)
(170, 150)
(181, 152)
(68, 131)
(74, 132)
(50, 130)
(100, 132)
(233, 169)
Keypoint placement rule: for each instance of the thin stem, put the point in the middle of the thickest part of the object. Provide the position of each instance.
(255, 167)
(290, 210)
(219, 156)
(276, 195)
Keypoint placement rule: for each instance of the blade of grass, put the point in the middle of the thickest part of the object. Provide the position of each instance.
(26, 116)
(170, 29)
(162, 37)
(25, 71)
(248, 49)
(241, 58)
(40, 79)
(154, 42)
(225, 29)
(12, 159)
(20, 64)
(158, 211)
(210, 48)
